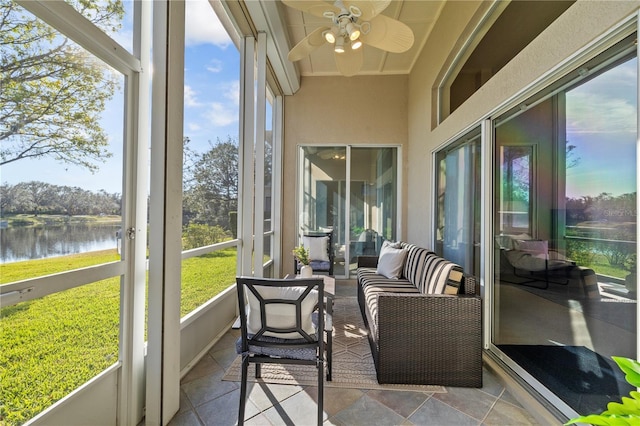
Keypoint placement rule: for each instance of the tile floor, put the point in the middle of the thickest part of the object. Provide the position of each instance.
(207, 400)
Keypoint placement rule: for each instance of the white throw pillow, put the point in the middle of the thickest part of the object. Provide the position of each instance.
(317, 247)
(278, 314)
(392, 244)
(391, 261)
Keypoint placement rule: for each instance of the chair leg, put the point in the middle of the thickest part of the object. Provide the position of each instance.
(258, 370)
(329, 354)
(243, 389)
(320, 393)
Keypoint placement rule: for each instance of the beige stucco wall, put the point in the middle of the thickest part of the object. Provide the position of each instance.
(581, 24)
(363, 110)
(399, 109)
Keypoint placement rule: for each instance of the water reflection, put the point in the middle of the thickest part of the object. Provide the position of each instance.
(24, 243)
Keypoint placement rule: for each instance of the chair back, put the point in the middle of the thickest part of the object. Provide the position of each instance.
(320, 246)
(278, 312)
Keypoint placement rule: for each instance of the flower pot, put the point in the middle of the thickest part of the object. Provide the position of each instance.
(306, 271)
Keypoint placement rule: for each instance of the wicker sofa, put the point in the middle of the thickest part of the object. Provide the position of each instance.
(421, 338)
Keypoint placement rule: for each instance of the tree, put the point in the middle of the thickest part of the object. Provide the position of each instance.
(213, 190)
(53, 91)
(39, 194)
(12, 198)
(571, 157)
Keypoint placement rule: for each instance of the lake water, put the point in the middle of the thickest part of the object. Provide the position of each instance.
(25, 243)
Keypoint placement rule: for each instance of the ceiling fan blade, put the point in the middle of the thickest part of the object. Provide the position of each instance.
(350, 61)
(369, 8)
(388, 34)
(314, 7)
(307, 45)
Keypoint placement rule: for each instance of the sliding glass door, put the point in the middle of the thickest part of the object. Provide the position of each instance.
(565, 236)
(351, 192)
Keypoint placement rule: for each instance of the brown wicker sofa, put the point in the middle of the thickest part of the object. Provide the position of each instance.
(419, 338)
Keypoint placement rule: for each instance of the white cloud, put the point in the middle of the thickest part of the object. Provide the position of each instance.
(222, 115)
(193, 127)
(606, 104)
(231, 91)
(190, 99)
(594, 113)
(203, 26)
(215, 65)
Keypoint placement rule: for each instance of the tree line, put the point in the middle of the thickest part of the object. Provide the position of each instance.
(604, 207)
(44, 198)
(210, 191)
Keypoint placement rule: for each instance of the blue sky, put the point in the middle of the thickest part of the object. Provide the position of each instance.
(601, 117)
(601, 122)
(211, 104)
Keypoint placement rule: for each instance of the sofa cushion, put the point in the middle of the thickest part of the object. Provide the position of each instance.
(436, 274)
(393, 244)
(391, 261)
(368, 277)
(415, 262)
(373, 284)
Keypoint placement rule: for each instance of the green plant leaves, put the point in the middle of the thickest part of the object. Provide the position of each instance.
(606, 420)
(631, 369)
(626, 413)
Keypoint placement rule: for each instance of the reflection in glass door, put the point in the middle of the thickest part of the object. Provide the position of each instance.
(372, 212)
(365, 179)
(458, 202)
(565, 225)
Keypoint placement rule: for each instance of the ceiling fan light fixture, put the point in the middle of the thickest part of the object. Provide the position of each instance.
(356, 44)
(329, 37)
(353, 31)
(339, 48)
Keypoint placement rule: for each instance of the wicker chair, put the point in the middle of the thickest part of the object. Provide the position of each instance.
(277, 325)
(420, 338)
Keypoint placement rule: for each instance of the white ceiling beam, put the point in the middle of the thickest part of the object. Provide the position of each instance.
(266, 17)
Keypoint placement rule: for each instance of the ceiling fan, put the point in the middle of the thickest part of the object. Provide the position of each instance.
(352, 23)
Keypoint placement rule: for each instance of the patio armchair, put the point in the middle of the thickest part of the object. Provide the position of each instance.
(321, 254)
(278, 325)
(533, 261)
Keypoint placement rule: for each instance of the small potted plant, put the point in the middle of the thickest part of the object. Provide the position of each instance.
(302, 254)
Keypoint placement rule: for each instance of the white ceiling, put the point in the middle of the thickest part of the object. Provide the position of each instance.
(419, 15)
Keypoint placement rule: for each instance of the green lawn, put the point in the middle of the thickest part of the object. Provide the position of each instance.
(50, 346)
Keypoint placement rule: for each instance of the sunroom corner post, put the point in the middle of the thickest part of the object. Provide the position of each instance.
(246, 187)
(261, 91)
(276, 202)
(132, 380)
(165, 221)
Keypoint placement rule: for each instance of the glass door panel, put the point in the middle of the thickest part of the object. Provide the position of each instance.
(373, 201)
(458, 202)
(565, 298)
(367, 184)
(321, 206)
